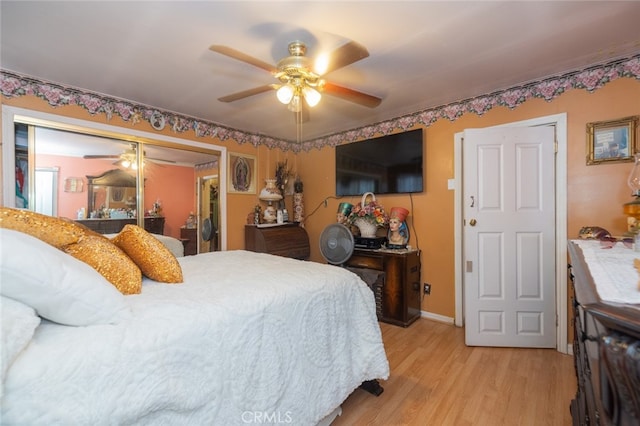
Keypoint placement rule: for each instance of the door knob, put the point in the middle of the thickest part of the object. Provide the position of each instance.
(473, 222)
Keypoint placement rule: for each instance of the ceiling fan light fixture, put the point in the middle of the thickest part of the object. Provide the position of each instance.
(311, 95)
(285, 93)
(295, 105)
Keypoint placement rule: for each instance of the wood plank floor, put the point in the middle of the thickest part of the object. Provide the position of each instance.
(437, 380)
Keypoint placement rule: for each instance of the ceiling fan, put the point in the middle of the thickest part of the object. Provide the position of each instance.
(128, 158)
(299, 77)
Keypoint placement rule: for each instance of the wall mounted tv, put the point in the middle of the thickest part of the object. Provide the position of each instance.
(391, 164)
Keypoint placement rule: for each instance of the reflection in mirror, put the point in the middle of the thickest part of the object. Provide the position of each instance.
(109, 169)
(111, 192)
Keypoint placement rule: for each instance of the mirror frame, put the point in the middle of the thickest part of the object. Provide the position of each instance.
(115, 178)
(12, 115)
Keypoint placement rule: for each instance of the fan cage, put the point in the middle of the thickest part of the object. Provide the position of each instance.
(336, 243)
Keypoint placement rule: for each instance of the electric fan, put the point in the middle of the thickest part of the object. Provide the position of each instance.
(336, 243)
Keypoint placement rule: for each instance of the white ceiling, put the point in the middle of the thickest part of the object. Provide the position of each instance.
(422, 53)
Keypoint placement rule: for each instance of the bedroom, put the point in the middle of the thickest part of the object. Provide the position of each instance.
(590, 199)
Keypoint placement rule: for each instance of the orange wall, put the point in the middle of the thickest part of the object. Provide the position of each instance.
(595, 193)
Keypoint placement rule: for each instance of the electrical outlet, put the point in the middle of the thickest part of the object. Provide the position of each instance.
(427, 288)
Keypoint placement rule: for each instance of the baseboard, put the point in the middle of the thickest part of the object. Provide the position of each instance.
(570, 349)
(437, 317)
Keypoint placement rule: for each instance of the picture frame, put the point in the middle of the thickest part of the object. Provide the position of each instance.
(612, 141)
(73, 184)
(241, 173)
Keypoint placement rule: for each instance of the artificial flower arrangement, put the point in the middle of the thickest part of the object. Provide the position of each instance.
(371, 211)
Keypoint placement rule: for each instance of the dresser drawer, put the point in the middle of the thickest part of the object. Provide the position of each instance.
(288, 240)
(368, 261)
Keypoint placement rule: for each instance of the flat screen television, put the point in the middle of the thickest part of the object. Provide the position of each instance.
(391, 164)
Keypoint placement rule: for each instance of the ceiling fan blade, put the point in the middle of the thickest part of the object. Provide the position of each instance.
(351, 95)
(236, 54)
(344, 55)
(246, 93)
(97, 157)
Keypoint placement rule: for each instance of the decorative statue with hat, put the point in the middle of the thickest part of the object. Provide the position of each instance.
(344, 209)
(398, 235)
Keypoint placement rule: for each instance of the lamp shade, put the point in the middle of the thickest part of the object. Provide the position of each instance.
(311, 95)
(285, 93)
(270, 191)
(634, 177)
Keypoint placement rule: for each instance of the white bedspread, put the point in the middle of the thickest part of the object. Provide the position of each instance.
(247, 336)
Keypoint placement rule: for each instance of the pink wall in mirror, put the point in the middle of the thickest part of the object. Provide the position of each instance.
(173, 186)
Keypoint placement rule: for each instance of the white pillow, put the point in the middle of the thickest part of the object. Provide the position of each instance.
(19, 322)
(59, 287)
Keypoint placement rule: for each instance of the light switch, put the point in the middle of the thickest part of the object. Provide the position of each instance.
(451, 184)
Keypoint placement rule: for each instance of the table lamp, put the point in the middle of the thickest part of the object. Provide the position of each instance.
(270, 194)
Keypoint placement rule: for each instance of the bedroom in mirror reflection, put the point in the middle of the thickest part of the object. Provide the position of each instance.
(82, 177)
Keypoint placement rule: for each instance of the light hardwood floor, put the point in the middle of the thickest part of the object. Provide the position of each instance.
(437, 380)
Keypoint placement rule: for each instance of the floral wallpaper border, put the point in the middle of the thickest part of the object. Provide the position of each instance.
(14, 85)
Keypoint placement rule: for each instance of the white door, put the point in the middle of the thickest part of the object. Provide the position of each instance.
(509, 236)
(46, 191)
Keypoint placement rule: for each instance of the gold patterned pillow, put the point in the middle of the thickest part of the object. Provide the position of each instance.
(153, 258)
(55, 231)
(103, 256)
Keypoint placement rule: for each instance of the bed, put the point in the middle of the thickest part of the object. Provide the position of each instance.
(245, 338)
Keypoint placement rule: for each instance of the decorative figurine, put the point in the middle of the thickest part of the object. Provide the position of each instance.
(398, 236)
(344, 209)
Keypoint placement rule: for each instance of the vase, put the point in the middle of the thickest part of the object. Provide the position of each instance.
(298, 208)
(367, 228)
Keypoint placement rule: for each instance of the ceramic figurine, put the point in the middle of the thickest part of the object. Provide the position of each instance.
(344, 209)
(398, 235)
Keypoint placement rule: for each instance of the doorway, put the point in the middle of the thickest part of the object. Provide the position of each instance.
(559, 122)
(46, 188)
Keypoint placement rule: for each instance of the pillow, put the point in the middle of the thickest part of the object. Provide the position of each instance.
(19, 322)
(154, 259)
(103, 256)
(52, 230)
(60, 288)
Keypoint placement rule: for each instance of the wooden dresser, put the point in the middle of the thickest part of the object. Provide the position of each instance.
(288, 240)
(397, 289)
(155, 225)
(606, 345)
(189, 237)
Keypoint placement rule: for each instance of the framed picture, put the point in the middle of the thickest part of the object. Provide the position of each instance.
(241, 174)
(73, 184)
(611, 141)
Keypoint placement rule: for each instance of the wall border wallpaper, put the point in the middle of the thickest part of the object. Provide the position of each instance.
(14, 85)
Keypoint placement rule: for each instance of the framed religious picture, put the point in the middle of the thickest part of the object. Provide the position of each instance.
(611, 141)
(241, 174)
